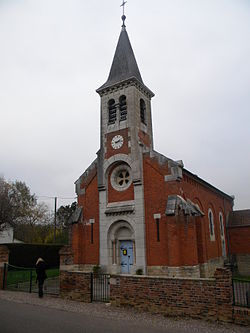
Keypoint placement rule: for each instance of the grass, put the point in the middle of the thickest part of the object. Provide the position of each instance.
(18, 276)
(241, 278)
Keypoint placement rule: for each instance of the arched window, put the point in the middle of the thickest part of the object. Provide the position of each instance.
(123, 107)
(221, 225)
(222, 235)
(143, 111)
(211, 224)
(112, 111)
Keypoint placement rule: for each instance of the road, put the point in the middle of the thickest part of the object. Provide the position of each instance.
(25, 318)
(25, 313)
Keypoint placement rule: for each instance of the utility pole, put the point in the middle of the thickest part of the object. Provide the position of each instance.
(55, 220)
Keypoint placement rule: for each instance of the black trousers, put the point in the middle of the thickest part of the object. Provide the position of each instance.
(40, 288)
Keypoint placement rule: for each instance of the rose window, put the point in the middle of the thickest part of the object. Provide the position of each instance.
(121, 178)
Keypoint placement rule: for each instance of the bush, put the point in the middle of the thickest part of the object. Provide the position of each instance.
(97, 269)
(139, 271)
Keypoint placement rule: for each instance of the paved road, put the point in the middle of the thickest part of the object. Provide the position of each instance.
(25, 318)
(25, 313)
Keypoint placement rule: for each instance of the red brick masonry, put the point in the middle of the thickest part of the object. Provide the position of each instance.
(198, 298)
(209, 299)
(75, 286)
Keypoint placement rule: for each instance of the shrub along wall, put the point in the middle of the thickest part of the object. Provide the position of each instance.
(26, 255)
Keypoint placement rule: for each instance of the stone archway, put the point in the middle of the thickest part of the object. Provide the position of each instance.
(121, 244)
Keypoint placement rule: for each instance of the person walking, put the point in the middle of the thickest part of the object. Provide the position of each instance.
(40, 275)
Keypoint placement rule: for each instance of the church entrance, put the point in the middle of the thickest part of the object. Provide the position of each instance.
(126, 255)
(121, 243)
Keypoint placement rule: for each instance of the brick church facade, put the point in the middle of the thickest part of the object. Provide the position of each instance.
(138, 210)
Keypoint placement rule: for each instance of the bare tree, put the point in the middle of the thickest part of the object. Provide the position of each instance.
(19, 206)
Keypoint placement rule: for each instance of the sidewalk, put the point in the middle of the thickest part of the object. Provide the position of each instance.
(102, 310)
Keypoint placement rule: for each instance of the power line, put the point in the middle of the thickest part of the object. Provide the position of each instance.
(49, 197)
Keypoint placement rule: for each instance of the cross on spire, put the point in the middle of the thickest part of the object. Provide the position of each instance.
(123, 12)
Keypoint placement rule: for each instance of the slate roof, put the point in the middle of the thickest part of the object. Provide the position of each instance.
(124, 65)
(176, 202)
(76, 216)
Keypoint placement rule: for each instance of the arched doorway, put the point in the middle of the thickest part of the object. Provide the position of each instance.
(122, 244)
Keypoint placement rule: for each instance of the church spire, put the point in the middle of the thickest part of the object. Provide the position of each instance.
(124, 66)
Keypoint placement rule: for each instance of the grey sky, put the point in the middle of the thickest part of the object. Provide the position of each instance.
(193, 54)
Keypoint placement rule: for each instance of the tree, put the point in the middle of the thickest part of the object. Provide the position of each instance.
(19, 206)
(64, 213)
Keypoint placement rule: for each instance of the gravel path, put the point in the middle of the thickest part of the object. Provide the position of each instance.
(101, 310)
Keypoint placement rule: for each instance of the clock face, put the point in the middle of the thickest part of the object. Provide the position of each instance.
(117, 142)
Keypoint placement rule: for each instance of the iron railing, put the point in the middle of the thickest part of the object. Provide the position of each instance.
(241, 293)
(24, 279)
(100, 287)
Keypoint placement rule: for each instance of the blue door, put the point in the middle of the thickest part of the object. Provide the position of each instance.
(127, 258)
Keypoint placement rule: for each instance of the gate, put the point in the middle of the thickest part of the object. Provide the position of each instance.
(241, 293)
(24, 279)
(100, 287)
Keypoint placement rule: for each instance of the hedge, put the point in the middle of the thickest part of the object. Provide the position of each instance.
(26, 255)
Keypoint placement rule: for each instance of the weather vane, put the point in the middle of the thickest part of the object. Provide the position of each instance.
(123, 12)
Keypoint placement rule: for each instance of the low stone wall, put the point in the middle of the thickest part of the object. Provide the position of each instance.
(209, 299)
(4, 259)
(176, 272)
(198, 298)
(75, 285)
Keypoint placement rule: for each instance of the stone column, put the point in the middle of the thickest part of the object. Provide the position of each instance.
(224, 294)
(66, 258)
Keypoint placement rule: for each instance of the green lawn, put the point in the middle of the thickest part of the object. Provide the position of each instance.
(17, 276)
(241, 278)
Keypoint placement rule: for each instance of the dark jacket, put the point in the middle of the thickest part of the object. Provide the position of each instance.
(40, 271)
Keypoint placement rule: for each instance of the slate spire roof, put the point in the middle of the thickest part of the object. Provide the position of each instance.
(124, 65)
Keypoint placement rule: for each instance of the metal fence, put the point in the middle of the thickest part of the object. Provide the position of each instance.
(100, 287)
(241, 293)
(24, 279)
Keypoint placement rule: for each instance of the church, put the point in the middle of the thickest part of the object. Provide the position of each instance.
(140, 212)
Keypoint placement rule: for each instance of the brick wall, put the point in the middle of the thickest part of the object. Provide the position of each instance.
(198, 242)
(197, 298)
(125, 149)
(243, 263)
(85, 248)
(4, 258)
(239, 239)
(209, 299)
(239, 236)
(75, 285)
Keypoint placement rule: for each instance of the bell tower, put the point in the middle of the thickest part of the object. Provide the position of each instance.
(126, 133)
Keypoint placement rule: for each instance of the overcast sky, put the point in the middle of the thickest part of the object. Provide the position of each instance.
(193, 54)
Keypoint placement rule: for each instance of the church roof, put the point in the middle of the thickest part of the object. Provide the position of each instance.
(176, 202)
(124, 65)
